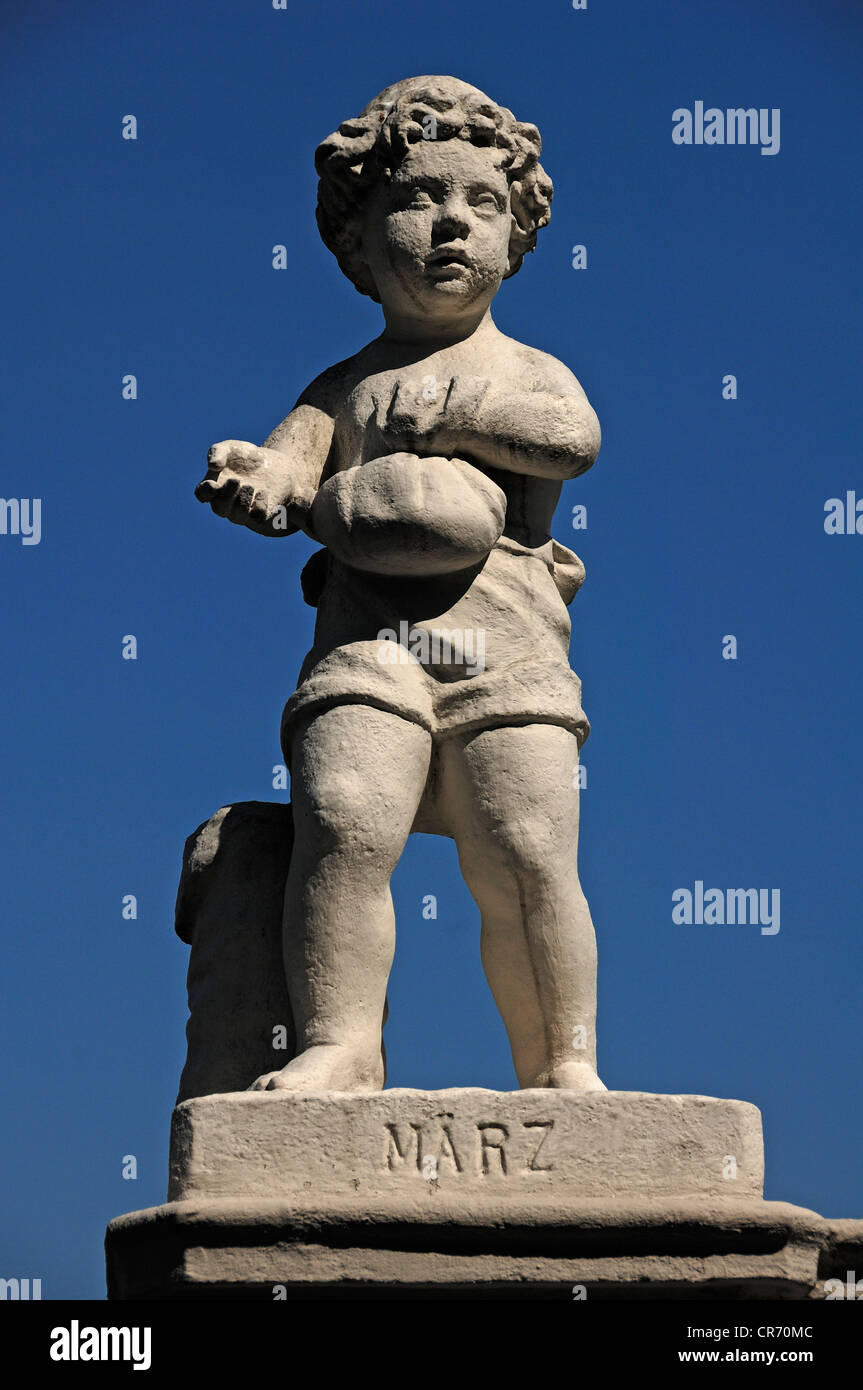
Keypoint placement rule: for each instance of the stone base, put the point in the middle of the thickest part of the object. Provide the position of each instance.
(535, 1147)
(470, 1193)
(687, 1250)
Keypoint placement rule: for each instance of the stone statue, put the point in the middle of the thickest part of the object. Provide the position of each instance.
(438, 694)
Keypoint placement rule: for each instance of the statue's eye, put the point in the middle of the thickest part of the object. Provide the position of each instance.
(486, 202)
(406, 196)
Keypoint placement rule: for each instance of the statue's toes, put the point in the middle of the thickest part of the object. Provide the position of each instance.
(263, 1083)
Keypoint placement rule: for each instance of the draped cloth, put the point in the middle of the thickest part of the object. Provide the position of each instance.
(512, 608)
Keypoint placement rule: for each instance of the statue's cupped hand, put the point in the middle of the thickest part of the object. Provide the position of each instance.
(406, 515)
(255, 487)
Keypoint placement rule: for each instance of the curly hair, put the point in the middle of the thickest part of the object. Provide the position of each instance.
(363, 151)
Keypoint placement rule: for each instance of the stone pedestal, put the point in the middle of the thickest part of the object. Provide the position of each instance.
(470, 1193)
(447, 1194)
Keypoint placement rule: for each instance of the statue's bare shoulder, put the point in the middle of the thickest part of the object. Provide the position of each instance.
(328, 391)
(535, 370)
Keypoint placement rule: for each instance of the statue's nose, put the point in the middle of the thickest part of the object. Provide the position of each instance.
(451, 222)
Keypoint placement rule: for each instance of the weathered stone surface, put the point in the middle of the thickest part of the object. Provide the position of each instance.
(406, 515)
(229, 910)
(840, 1267)
(438, 691)
(704, 1248)
(437, 695)
(535, 1146)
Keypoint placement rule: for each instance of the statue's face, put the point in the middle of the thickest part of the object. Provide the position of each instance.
(436, 236)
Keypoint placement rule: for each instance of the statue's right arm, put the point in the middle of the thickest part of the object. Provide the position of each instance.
(305, 438)
(270, 487)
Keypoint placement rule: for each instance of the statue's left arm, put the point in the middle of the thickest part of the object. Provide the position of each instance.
(546, 433)
(550, 431)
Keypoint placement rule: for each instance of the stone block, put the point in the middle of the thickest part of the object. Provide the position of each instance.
(533, 1146)
(592, 1249)
(229, 911)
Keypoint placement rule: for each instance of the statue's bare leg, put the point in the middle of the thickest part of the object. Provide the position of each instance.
(357, 778)
(510, 797)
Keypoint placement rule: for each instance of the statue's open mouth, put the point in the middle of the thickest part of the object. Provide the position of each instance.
(448, 257)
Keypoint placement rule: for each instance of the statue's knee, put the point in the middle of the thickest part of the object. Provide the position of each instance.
(342, 828)
(519, 862)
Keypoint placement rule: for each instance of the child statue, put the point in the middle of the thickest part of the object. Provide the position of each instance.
(438, 693)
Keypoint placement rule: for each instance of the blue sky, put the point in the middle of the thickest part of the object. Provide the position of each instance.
(705, 518)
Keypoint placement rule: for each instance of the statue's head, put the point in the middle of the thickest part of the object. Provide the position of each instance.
(432, 196)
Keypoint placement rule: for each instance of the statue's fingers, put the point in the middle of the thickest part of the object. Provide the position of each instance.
(259, 508)
(403, 420)
(240, 504)
(224, 494)
(220, 453)
(217, 454)
(263, 516)
(401, 415)
(207, 488)
(393, 404)
(382, 411)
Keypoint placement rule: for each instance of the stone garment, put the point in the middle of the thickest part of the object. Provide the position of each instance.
(511, 608)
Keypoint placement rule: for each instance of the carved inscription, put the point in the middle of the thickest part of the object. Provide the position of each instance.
(542, 1129)
(441, 1147)
(492, 1142)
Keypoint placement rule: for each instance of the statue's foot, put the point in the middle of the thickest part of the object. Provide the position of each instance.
(327, 1067)
(570, 1076)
